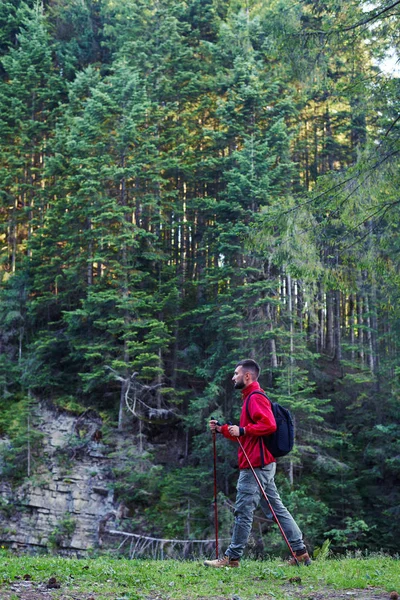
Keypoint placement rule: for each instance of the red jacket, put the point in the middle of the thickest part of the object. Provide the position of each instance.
(262, 423)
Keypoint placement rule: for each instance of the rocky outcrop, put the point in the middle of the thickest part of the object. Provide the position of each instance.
(68, 500)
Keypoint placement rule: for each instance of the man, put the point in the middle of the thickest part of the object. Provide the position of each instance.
(250, 430)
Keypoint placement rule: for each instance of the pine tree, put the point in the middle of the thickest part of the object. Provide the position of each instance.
(77, 32)
(103, 275)
(29, 98)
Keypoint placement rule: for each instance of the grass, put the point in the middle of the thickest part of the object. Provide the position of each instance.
(106, 579)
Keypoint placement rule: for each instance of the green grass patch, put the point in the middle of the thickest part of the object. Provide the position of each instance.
(105, 578)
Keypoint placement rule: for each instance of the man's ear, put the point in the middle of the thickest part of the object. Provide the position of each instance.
(251, 376)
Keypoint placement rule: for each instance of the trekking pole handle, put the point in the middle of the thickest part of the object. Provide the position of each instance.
(217, 423)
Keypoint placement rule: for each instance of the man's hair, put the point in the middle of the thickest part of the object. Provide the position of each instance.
(249, 364)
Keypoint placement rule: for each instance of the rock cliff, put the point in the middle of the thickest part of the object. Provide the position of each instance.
(66, 503)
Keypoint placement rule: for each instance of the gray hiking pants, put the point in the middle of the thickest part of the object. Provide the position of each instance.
(248, 497)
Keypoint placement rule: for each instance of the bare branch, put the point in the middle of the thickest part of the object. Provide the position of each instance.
(164, 540)
(392, 125)
(372, 18)
(339, 185)
(382, 209)
(369, 19)
(116, 375)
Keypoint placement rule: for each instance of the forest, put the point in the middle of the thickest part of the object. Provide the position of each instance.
(187, 183)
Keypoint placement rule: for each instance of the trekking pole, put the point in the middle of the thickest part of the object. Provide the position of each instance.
(215, 492)
(215, 496)
(269, 504)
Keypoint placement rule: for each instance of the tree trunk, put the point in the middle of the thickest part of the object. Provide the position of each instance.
(121, 412)
(272, 344)
(337, 328)
(291, 356)
(320, 337)
(124, 293)
(330, 344)
(351, 327)
(374, 334)
(371, 357)
(360, 330)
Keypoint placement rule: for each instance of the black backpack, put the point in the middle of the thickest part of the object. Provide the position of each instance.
(281, 441)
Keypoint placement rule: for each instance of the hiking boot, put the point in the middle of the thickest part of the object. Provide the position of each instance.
(302, 557)
(226, 561)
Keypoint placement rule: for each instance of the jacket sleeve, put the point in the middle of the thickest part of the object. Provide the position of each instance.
(225, 433)
(262, 416)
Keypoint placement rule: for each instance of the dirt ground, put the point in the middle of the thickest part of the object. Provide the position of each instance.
(369, 593)
(27, 590)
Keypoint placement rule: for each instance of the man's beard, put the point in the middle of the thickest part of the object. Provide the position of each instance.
(239, 385)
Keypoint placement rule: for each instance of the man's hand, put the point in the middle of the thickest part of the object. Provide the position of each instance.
(234, 430)
(214, 426)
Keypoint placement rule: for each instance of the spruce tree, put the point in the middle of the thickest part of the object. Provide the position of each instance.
(29, 97)
(104, 266)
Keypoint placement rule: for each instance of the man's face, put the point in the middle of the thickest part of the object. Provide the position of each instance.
(238, 378)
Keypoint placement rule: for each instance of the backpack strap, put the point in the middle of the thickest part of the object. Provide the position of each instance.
(248, 398)
(261, 444)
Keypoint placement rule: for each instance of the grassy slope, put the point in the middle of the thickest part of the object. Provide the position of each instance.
(105, 578)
